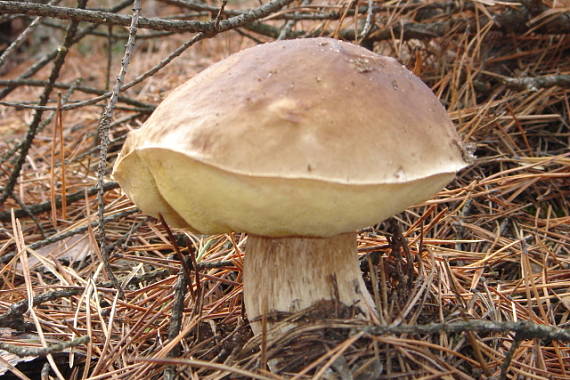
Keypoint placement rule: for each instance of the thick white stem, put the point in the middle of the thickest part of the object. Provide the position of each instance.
(291, 274)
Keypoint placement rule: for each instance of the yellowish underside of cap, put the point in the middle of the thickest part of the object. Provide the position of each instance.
(210, 200)
(138, 182)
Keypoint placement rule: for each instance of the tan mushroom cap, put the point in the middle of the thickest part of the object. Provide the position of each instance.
(308, 137)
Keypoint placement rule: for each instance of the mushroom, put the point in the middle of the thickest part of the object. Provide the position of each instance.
(298, 143)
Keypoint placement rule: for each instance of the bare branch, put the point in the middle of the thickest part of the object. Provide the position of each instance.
(108, 18)
(46, 206)
(85, 89)
(535, 83)
(103, 130)
(523, 329)
(43, 351)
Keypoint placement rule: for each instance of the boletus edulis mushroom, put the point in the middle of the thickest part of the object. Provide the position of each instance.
(297, 143)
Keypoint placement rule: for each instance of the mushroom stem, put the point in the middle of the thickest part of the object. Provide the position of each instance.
(292, 274)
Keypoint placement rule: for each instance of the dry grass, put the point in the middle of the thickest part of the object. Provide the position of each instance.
(493, 246)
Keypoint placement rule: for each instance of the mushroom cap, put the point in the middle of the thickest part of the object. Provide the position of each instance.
(307, 137)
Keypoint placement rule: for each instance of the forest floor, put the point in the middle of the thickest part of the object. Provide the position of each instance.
(474, 283)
